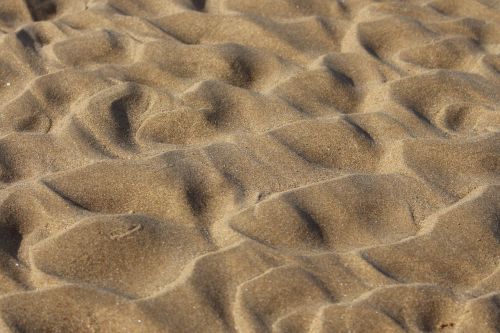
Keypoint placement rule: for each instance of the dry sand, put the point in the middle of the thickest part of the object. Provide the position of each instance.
(250, 166)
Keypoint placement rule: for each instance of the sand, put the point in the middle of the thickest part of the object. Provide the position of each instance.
(249, 166)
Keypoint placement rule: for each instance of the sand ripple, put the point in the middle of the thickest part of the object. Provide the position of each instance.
(249, 165)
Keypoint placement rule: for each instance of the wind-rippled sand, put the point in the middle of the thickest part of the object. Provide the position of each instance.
(249, 165)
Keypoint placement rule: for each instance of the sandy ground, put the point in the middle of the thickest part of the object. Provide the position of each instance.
(249, 165)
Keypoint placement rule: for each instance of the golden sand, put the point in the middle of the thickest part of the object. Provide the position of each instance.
(249, 166)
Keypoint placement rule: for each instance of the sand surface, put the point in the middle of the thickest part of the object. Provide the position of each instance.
(250, 166)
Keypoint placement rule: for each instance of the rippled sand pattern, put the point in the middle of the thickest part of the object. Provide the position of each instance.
(250, 166)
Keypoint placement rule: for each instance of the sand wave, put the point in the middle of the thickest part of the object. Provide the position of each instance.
(253, 166)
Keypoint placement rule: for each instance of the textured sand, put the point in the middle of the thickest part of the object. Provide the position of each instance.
(249, 165)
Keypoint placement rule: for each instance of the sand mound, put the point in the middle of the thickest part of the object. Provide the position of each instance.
(249, 165)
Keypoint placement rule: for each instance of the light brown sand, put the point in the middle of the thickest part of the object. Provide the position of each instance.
(249, 165)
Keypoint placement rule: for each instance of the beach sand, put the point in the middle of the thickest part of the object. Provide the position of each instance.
(249, 166)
